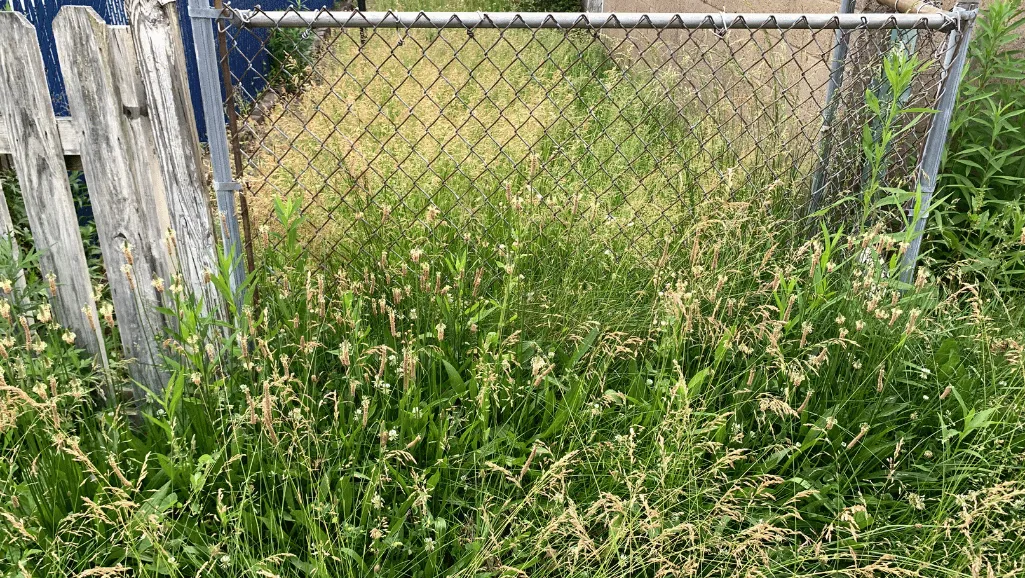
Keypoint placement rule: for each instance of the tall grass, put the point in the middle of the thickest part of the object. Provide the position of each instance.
(784, 411)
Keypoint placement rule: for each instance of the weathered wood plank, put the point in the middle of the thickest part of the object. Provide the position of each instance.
(39, 162)
(128, 81)
(68, 134)
(161, 58)
(120, 185)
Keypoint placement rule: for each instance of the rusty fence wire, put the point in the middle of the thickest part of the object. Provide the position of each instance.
(390, 130)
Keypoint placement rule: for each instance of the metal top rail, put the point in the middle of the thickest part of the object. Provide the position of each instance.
(940, 21)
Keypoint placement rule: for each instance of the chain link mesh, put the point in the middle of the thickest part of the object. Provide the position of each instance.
(391, 136)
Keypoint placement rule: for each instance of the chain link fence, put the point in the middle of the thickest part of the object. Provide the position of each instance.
(595, 133)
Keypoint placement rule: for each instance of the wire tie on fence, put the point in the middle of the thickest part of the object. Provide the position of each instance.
(241, 18)
(227, 186)
(481, 18)
(720, 29)
(957, 21)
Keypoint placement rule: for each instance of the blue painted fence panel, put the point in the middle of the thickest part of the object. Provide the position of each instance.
(247, 57)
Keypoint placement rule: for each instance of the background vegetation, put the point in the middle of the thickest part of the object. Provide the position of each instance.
(980, 225)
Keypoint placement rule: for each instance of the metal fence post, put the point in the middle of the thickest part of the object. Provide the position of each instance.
(236, 151)
(836, 68)
(936, 140)
(202, 17)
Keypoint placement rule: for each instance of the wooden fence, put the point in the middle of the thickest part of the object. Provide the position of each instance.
(133, 126)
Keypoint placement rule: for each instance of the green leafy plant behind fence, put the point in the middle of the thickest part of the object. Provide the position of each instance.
(980, 225)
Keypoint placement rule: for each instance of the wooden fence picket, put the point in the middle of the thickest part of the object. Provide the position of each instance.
(127, 202)
(161, 58)
(38, 158)
(141, 148)
(133, 125)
